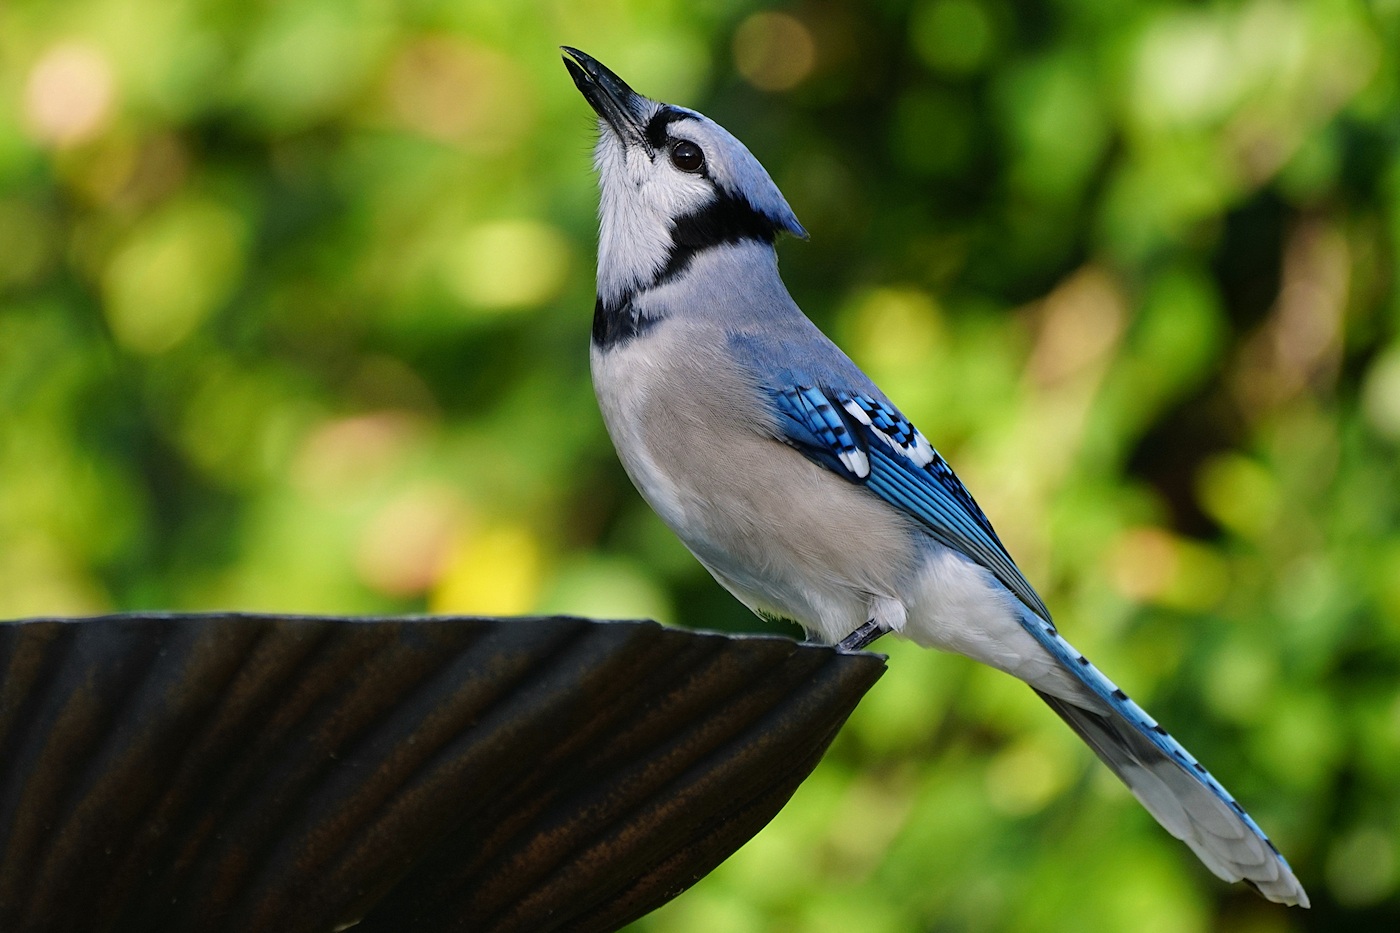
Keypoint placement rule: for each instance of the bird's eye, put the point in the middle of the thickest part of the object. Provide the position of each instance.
(687, 157)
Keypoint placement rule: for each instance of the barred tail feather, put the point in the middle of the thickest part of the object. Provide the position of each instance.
(1167, 779)
(1219, 832)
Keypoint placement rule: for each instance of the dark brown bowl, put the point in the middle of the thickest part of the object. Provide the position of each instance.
(249, 773)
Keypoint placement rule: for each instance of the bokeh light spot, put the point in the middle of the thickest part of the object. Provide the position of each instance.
(306, 61)
(1381, 394)
(607, 588)
(892, 328)
(1240, 494)
(1153, 565)
(774, 51)
(69, 95)
(1022, 779)
(1361, 868)
(406, 545)
(236, 425)
(1144, 563)
(953, 36)
(454, 91)
(1081, 322)
(340, 457)
(1185, 71)
(172, 273)
(508, 265)
(869, 816)
(1243, 677)
(39, 577)
(495, 572)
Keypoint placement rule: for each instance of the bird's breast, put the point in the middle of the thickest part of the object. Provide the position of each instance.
(631, 379)
(694, 437)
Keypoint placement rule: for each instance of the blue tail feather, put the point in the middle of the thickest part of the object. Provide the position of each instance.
(1175, 787)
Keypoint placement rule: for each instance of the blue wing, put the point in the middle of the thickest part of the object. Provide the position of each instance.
(868, 441)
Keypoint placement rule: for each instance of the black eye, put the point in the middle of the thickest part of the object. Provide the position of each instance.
(687, 157)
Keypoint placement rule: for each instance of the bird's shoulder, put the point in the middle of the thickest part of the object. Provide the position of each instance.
(792, 351)
(825, 407)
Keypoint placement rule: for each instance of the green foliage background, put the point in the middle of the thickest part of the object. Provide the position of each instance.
(294, 312)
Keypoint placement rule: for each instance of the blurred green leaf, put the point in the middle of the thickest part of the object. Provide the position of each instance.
(295, 303)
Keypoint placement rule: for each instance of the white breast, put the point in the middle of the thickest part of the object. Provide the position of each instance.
(624, 377)
(783, 534)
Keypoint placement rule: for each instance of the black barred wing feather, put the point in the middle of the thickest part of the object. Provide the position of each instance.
(869, 442)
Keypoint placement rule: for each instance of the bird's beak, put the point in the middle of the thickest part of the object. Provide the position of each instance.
(609, 96)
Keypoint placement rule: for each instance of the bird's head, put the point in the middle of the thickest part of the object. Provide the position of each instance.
(673, 183)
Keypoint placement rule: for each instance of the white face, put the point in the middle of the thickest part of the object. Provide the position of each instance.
(674, 182)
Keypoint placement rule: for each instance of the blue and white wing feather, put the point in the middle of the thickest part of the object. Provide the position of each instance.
(876, 445)
(867, 441)
(815, 426)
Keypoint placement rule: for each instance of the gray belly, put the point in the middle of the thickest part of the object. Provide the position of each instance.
(784, 534)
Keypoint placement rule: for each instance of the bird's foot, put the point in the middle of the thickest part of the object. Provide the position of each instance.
(863, 636)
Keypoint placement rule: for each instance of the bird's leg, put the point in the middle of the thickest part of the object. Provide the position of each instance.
(863, 636)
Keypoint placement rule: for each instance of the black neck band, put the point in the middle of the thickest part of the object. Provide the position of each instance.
(727, 219)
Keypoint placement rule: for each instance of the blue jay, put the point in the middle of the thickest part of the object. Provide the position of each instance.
(798, 484)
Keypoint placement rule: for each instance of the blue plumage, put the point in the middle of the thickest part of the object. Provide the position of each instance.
(798, 484)
(813, 425)
(930, 492)
(1127, 713)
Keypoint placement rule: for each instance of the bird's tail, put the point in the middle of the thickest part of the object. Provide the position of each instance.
(1173, 786)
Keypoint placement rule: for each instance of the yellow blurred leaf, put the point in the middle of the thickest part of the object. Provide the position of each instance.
(494, 572)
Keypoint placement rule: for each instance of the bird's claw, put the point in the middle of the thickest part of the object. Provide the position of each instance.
(863, 636)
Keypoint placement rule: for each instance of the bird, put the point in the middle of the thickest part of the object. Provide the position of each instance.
(798, 484)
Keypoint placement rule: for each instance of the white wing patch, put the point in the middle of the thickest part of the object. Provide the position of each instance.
(890, 426)
(857, 462)
(811, 407)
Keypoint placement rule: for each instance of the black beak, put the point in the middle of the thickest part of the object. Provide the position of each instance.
(608, 95)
